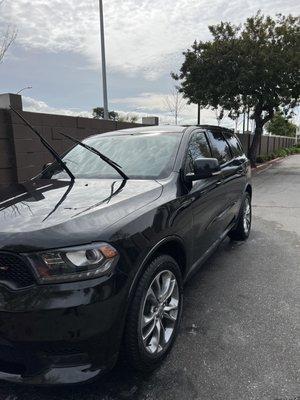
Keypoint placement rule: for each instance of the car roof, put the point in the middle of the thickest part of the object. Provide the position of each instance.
(212, 127)
(147, 129)
(160, 129)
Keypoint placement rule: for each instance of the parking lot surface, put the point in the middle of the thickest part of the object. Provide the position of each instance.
(239, 337)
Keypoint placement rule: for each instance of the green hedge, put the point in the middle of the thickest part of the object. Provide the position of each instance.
(278, 153)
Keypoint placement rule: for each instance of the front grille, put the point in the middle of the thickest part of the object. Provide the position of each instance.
(15, 271)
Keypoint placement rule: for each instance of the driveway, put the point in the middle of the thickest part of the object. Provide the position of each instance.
(239, 337)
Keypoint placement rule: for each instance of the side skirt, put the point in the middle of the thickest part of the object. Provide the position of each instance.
(194, 268)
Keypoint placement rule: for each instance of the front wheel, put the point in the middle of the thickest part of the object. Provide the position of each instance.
(243, 227)
(154, 315)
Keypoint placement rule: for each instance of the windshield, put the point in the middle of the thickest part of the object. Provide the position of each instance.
(141, 156)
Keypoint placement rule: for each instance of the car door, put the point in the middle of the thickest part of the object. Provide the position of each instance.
(233, 173)
(237, 172)
(207, 200)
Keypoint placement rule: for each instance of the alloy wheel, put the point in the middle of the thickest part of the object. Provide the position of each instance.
(160, 312)
(247, 215)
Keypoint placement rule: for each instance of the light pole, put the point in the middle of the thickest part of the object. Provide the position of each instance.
(104, 81)
(25, 88)
(198, 114)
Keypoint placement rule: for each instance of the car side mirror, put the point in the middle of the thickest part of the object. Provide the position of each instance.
(204, 168)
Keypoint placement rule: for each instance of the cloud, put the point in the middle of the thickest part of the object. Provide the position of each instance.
(155, 104)
(145, 36)
(33, 105)
(147, 104)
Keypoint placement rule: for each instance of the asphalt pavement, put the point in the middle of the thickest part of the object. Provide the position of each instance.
(240, 334)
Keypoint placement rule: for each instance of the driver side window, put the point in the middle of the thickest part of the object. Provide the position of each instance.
(198, 148)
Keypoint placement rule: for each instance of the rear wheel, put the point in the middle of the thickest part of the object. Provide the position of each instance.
(154, 315)
(243, 227)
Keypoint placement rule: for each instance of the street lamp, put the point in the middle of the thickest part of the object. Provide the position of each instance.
(104, 80)
(25, 88)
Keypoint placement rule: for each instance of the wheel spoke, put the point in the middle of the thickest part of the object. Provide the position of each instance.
(147, 319)
(155, 342)
(169, 316)
(152, 297)
(149, 331)
(158, 287)
(168, 292)
(162, 334)
(170, 307)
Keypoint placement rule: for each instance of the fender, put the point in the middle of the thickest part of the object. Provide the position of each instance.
(143, 264)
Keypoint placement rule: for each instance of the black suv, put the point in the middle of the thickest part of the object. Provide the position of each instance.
(95, 250)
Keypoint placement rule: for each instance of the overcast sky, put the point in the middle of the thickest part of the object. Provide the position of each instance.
(57, 51)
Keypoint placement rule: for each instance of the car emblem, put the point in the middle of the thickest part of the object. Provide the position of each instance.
(3, 268)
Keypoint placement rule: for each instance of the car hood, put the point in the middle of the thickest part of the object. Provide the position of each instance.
(44, 214)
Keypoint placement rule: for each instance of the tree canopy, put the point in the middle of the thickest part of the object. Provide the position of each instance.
(280, 125)
(98, 113)
(252, 66)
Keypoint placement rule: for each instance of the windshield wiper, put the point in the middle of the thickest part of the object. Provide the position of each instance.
(46, 144)
(112, 163)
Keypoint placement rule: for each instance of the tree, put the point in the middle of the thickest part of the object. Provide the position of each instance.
(7, 37)
(280, 125)
(175, 103)
(98, 113)
(252, 66)
(219, 115)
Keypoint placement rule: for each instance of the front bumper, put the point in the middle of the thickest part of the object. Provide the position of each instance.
(62, 333)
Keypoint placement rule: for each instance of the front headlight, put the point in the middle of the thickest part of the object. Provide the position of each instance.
(74, 263)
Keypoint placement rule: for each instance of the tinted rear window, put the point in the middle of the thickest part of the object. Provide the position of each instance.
(234, 143)
(220, 148)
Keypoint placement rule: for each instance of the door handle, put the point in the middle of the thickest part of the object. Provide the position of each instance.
(218, 183)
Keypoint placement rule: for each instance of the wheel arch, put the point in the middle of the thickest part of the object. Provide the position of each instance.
(172, 246)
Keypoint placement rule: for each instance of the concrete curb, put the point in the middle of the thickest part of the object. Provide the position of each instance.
(262, 167)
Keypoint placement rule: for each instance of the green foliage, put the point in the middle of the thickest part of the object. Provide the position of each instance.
(281, 153)
(278, 153)
(98, 113)
(255, 65)
(280, 125)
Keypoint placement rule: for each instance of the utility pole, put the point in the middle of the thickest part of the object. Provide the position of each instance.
(104, 80)
(199, 116)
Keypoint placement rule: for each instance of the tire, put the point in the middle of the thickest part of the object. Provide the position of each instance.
(243, 226)
(144, 353)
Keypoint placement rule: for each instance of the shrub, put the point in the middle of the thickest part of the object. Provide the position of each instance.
(261, 158)
(281, 153)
